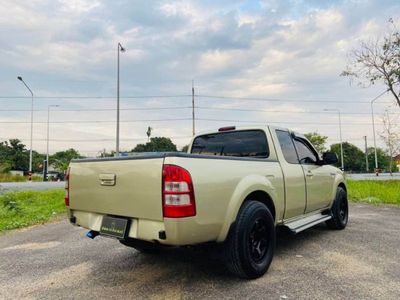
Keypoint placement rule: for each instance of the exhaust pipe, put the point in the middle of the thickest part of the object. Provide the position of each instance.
(92, 234)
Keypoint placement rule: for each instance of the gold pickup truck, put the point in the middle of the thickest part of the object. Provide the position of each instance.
(233, 188)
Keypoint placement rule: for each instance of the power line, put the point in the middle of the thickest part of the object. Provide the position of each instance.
(96, 97)
(275, 122)
(97, 140)
(187, 119)
(96, 121)
(281, 111)
(283, 100)
(103, 109)
(188, 107)
(327, 100)
(135, 139)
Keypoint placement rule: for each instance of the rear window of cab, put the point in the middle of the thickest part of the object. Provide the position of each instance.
(244, 143)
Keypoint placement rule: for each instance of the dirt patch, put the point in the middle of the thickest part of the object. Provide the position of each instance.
(349, 266)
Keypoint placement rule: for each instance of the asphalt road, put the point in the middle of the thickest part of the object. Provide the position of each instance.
(57, 261)
(36, 186)
(370, 176)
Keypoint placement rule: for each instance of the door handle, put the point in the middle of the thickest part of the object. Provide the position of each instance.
(309, 174)
(107, 179)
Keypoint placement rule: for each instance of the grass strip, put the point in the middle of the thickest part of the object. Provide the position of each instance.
(25, 208)
(6, 177)
(374, 191)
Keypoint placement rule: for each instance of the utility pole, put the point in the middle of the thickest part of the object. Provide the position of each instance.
(366, 154)
(122, 49)
(373, 128)
(340, 135)
(48, 135)
(193, 117)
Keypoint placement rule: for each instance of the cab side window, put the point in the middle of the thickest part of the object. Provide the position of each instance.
(306, 155)
(287, 146)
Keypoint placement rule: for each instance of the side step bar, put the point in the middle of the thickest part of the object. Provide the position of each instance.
(307, 222)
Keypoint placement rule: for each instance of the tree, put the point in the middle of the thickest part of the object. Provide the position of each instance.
(378, 61)
(354, 158)
(156, 144)
(14, 154)
(390, 135)
(5, 164)
(185, 148)
(317, 140)
(62, 159)
(148, 133)
(37, 161)
(383, 159)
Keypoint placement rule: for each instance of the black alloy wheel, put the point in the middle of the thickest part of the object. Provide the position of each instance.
(339, 210)
(258, 241)
(249, 247)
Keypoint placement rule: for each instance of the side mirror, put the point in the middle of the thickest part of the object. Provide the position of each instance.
(329, 158)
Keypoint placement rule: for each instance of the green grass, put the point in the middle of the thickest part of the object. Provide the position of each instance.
(5, 177)
(375, 192)
(21, 209)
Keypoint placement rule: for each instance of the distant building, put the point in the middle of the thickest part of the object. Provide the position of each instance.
(17, 172)
(396, 160)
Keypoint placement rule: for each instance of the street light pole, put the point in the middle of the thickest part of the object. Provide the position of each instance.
(122, 49)
(193, 116)
(340, 135)
(30, 151)
(341, 140)
(48, 135)
(373, 127)
(366, 154)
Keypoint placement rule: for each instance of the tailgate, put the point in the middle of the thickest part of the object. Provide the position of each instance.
(122, 187)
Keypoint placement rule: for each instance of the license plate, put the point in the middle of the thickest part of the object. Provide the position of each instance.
(114, 227)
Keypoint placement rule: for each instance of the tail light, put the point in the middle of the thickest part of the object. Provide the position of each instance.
(66, 198)
(178, 195)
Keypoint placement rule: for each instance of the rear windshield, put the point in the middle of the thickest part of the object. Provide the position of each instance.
(247, 143)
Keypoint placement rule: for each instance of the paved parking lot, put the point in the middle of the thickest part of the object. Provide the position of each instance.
(57, 261)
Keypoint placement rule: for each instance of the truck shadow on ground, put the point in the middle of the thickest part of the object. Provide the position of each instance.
(205, 263)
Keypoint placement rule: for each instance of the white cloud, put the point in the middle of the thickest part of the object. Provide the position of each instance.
(282, 49)
(78, 6)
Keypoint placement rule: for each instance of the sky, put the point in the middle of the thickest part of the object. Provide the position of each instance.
(251, 63)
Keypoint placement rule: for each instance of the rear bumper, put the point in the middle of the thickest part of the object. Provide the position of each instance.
(178, 232)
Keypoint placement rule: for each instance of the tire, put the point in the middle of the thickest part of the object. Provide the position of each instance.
(339, 211)
(250, 245)
(142, 246)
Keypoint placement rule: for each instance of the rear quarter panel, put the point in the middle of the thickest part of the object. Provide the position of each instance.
(221, 186)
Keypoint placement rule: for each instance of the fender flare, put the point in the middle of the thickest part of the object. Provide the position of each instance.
(246, 186)
(339, 181)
